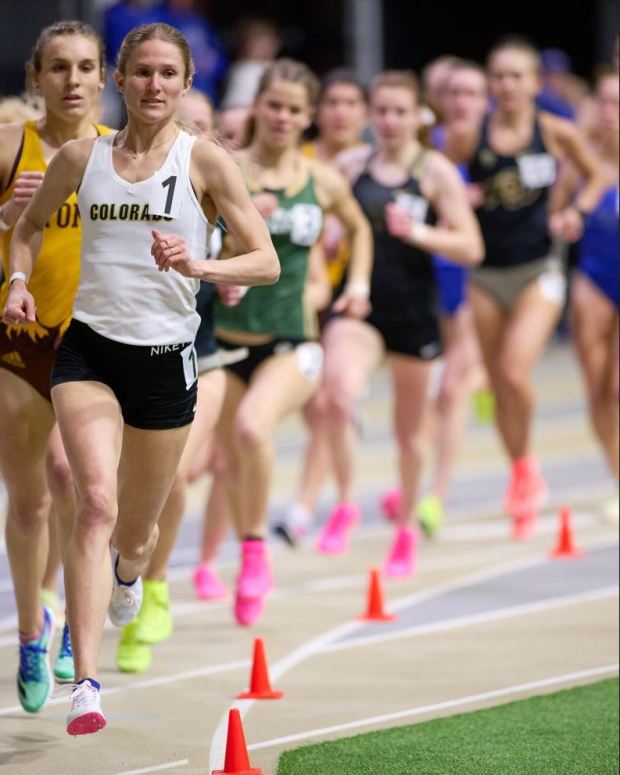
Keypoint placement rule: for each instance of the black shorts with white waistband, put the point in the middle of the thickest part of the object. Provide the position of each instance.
(156, 386)
(244, 360)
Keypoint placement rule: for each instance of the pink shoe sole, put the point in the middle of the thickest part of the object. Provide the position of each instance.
(324, 547)
(211, 593)
(524, 527)
(398, 571)
(86, 724)
(248, 610)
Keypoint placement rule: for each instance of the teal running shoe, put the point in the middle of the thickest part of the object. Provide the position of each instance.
(34, 677)
(63, 667)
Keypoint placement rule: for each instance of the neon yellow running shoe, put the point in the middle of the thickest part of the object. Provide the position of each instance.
(131, 655)
(483, 403)
(154, 622)
(430, 513)
(50, 600)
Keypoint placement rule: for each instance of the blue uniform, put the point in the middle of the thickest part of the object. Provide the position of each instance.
(451, 278)
(599, 259)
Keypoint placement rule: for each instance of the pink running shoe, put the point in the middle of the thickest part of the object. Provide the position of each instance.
(402, 559)
(524, 526)
(334, 538)
(391, 504)
(527, 490)
(254, 582)
(207, 584)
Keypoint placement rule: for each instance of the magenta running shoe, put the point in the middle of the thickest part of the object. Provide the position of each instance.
(207, 584)
(391, 504)
(334, 538)
(254, 582)
(402, 559)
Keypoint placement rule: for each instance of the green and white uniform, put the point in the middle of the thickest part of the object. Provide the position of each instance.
(279, 311)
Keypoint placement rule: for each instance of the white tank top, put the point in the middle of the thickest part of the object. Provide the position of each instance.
(122, 295)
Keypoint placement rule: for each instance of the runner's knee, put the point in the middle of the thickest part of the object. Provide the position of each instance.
(97, 509)
(250, 434)
(28, 513)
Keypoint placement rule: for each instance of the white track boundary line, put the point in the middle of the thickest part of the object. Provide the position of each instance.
(466, 621)
(446, 705)
(156, 768)
(318, 644)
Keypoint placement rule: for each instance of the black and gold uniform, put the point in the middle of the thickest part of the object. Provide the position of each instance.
(513, 219)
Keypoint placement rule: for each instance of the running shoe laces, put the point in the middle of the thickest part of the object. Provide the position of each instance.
(29, 661)
(65, 644)
(83, 697)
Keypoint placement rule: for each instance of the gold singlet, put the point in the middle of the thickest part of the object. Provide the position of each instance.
(29, 350)
(335, 266)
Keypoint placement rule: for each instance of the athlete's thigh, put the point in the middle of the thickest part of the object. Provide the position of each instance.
(91, 426)
(233, 396)
(277, 388)
(531, 323)
(457, 352)
(211, 389)
(353, 350)
(410, 378)
(27, 420)
(149, 460)
(592, 323)
(490, 321)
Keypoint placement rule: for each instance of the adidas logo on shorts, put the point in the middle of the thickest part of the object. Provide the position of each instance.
(13, 359)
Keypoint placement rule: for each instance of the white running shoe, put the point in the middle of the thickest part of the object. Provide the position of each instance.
(126, 599)
(86, 715)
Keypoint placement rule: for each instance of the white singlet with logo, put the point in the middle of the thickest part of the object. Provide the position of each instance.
(122, 295)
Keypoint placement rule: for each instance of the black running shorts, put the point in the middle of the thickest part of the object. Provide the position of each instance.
(419, 339)
(156, 386)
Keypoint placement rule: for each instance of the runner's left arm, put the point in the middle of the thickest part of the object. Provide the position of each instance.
(62, 177)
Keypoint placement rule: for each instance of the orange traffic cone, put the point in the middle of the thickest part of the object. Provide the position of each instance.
(237, 761)
(260, 686)
(374, 607)
(565, 546)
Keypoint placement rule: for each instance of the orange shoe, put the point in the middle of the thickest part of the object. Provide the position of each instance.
(527, 490)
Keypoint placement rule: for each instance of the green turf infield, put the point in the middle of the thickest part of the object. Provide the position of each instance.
(572, 732)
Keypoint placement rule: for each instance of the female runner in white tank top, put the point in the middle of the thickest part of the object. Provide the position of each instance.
(124, 384)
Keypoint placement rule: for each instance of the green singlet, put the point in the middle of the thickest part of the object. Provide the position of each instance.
(279, 310)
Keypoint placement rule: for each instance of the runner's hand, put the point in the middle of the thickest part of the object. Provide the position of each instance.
(266, 204)
(20, 307)
(475, 195)
(26, 184)
(170, 252)
(231, 295)
(566, 224)
(399, 222)
(352, 306)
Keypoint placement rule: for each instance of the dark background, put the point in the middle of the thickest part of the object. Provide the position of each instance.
(318, 31)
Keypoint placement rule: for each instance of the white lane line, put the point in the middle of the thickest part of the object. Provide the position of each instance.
(466, 621)
(63, 690)
(156, 768)
(332, 583)
(438, 706)
(277, 670)
(320, 643)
